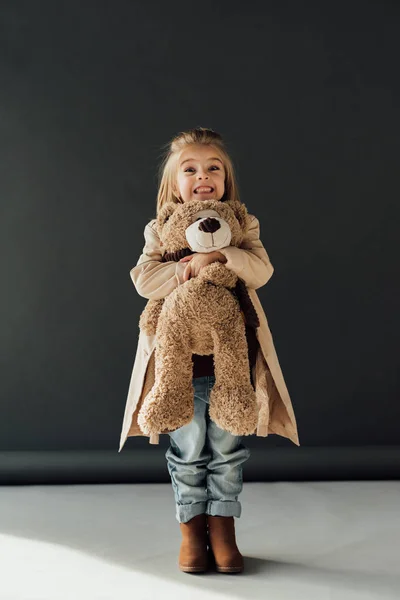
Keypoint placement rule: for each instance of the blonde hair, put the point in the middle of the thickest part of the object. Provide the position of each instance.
(168, 167)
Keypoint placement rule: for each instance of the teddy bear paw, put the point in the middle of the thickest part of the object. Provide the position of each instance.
(218, 274)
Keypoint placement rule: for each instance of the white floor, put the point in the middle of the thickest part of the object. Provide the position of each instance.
(317, 541)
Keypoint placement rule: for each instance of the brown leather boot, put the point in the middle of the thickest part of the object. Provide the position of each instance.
(221, 534)
(193, 555)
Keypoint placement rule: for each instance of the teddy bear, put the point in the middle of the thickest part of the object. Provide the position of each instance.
(204, 315)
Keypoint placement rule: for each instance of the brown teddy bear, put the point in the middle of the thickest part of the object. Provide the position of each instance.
(201, 316)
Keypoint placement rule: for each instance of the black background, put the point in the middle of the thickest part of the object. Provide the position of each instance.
(306, 96)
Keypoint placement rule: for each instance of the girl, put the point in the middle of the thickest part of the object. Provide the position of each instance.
(204, 461)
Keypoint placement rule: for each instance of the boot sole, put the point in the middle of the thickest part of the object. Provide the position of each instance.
(229, 569)
(192, 569)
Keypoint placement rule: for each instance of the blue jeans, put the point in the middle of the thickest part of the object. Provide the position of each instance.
(205, 462)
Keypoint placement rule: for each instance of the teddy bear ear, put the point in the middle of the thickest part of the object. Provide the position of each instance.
(241, 214)
(165, 212)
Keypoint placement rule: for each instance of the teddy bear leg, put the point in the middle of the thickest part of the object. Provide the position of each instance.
(233, 404)
(170, 403)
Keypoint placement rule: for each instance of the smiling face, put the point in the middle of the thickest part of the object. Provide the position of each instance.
(200, 166)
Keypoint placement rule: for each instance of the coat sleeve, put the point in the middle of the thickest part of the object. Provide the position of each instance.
(250, 262)
(152, 278)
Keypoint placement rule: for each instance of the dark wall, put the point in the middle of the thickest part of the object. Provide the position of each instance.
(307, 98)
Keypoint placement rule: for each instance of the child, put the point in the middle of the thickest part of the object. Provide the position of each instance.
(204, 461)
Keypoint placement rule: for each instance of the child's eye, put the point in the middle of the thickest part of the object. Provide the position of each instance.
(212, 166)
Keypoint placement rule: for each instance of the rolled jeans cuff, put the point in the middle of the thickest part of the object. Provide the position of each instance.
(224, 508)
(185, 512)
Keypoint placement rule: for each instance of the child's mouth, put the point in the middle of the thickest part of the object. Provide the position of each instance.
(210, 191)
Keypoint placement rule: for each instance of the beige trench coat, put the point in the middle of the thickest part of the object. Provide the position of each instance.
(154, 279)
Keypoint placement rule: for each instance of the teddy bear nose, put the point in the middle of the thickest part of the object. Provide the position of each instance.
(210, 225)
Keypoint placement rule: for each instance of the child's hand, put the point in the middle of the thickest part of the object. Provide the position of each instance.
(197, 261)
